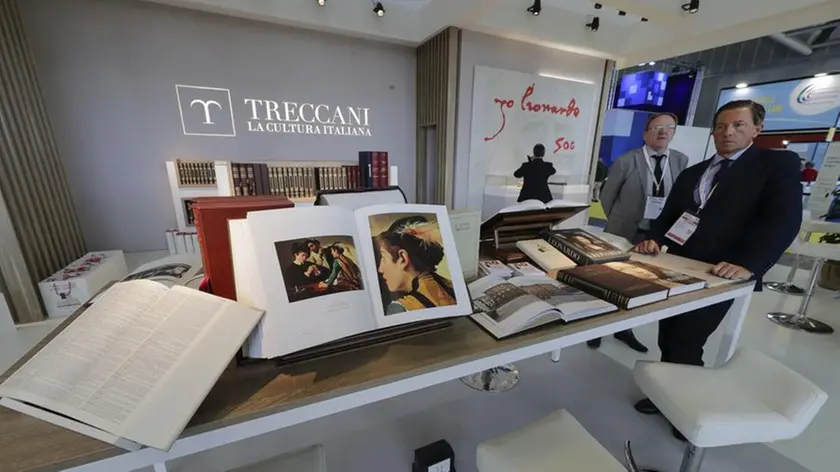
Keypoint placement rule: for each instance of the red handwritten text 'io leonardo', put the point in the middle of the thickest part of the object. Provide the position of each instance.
(570, 110)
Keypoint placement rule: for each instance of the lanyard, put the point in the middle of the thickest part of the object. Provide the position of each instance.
(665, 169)
(704, 183)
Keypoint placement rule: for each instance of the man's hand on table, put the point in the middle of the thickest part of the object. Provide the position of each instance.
(731, 271)
(648, 246)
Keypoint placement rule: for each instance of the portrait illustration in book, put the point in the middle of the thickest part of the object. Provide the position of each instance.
(318, 266)
(411, 262)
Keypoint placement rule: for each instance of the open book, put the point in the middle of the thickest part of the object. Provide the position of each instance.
(325, 273)
(132, 369)
(505, 307)
(533, 204)
(180, 269)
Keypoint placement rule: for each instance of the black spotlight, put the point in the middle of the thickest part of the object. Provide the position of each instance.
(676, 69)
(321, 3)
(692, 7)
(644, 20)
(622, 13)
(598, 6)
(594, 24)
(536, 8)
(378, 9)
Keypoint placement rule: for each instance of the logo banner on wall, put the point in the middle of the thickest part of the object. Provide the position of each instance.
(513, 111)
(795, 104)
(210, 111)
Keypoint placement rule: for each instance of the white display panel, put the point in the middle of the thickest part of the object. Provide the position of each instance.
(512, 111)
(823, 189)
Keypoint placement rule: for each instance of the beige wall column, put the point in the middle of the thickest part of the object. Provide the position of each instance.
(437, 82)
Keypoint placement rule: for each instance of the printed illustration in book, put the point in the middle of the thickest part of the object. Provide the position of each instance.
(506, 307)
(324, 273)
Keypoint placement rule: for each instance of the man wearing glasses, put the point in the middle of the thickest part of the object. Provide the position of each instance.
(635, 190)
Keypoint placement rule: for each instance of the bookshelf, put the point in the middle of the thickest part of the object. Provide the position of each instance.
(300, 181)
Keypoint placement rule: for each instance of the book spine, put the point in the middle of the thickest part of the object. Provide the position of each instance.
(365, 165)
(575, 256)
(383, 169)
(607, 295)
(170, 241)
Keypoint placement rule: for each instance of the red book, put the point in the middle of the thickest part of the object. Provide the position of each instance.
(211, 223)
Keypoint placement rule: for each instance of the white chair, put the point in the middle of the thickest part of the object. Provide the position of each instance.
(820, 253)
(788, 287)
(751, 399)
(554, 443)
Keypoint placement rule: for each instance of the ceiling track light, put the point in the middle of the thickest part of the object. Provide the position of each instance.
(536, 8)
(692, 7)
(644, 20)
(598, 6)
(594, 24)
(622, 13)
(321, 3)
(378, 9)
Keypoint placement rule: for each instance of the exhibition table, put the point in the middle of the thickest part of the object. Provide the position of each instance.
(257, 399)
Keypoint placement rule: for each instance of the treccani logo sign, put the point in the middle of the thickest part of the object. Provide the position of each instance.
(209, 111)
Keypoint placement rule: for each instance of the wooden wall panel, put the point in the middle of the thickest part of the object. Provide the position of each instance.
(437, 78)
(37, 198)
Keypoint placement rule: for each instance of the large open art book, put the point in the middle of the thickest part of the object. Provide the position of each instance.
(505, 307)
(325, 273)
(700, 270)
(133, 368)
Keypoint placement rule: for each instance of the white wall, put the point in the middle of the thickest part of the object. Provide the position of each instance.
(492, 51)
(109, 68)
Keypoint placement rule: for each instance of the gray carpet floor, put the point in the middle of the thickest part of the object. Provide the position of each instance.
(598, 391)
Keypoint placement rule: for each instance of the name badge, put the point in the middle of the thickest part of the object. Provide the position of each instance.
(682, 230)
(653, 207)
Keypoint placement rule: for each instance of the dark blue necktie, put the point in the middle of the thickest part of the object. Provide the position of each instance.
(724, 164)
(657, 177)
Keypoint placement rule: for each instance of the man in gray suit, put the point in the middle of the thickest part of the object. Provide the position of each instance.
(635, 190)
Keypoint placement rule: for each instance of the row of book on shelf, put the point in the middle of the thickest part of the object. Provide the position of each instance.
(293, 181)
(306, 277)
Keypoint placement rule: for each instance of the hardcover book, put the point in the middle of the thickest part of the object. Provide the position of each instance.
(676, 282)
(619, 288)
(545, 255)
(505, 307)
(684, 265)
(211, 217)
(583, 247)
(324, 273)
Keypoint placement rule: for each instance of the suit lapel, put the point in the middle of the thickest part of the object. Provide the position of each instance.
(735, 176)
(642, 168)
(674, 167)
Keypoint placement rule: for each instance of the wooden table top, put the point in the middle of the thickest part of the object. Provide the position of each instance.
(246, 393)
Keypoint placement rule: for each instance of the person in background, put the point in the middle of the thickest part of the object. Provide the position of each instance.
(738, 210)
(635, 190)
(600, 176)
(809, 173)
(534, 175)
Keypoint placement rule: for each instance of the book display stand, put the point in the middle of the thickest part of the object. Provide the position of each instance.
(500, 233)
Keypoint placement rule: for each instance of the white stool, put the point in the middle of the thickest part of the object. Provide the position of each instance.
(820, 253)
(556, 442)
(751, 399)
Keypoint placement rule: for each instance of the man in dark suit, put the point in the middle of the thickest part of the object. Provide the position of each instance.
(534, 175)
(746, 207)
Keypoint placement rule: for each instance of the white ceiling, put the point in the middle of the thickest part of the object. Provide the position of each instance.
(670, 31)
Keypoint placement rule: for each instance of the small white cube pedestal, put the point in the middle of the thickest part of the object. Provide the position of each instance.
(66, 290)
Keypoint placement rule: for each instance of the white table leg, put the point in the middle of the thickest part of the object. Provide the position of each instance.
(732, 325)
(555, 356)
(160, 467)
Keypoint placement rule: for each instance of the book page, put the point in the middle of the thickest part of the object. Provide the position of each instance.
(180, 269)
(309, 265)
(183, 360)
(71, 374)
(411, 263)
(568, 300)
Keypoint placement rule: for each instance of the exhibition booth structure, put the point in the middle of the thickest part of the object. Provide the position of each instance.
(287, 272)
